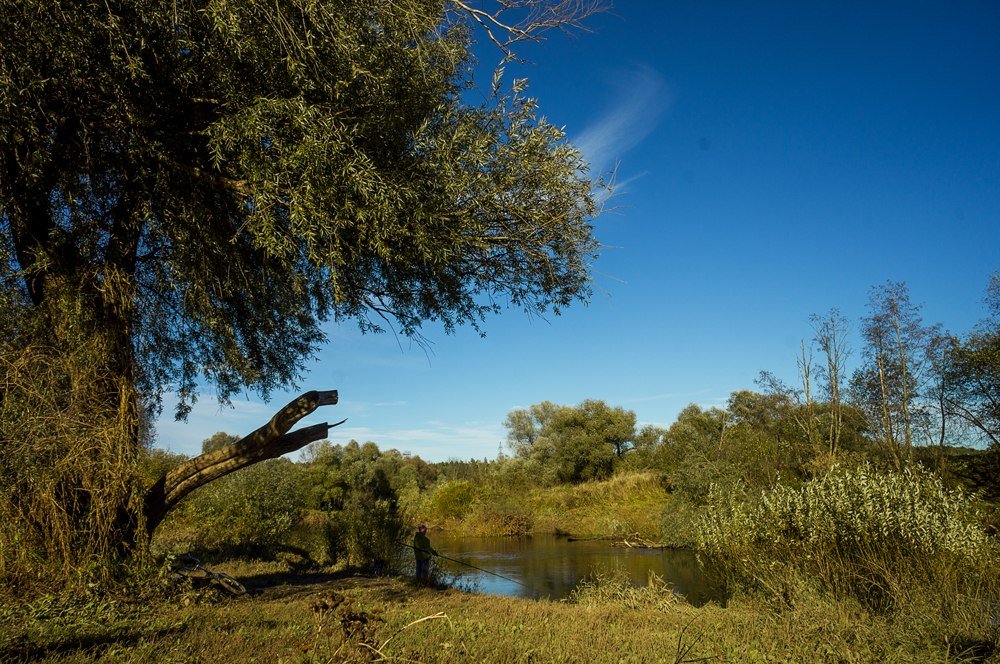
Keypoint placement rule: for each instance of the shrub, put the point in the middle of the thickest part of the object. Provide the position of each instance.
(359, 487)
(850, 509)
(370, 530)
(316, 538)
(452, 500)
(678, 520)
(880, 537)
(252, 509)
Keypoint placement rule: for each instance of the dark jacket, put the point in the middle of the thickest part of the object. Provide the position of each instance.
(422, 547)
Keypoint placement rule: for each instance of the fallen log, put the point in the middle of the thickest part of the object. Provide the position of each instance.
(636, 541)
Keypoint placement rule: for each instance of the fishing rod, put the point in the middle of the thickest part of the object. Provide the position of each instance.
(462, 562)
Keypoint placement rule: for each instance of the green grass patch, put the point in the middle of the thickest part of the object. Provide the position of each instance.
(324, 618)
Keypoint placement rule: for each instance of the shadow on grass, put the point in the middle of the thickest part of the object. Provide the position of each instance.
(298, 584)
(283, 585)
(23, 649)
(972, 649)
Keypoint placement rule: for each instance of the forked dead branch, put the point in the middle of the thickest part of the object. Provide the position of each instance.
(268, 442)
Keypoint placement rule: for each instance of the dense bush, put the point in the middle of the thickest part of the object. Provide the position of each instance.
(251, 510)
(346, 503)
(371, 524)
(316, 539)
(910, 512)
(360, 487)
(678, 522)
(451, 500)
(880, 537)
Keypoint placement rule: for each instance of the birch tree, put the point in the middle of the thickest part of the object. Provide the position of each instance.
(889, 381)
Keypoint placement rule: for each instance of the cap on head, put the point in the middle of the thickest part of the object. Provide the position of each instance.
(421, 528)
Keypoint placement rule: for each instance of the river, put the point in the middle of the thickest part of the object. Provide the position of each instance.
(551, 566)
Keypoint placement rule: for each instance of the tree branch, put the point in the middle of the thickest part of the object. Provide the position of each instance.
(539, 16)
(268, 442)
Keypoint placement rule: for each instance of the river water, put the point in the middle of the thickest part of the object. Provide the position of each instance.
(551, 566)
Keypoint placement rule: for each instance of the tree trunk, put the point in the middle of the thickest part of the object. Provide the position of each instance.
(269, 441)
(805, 373)
(905, 383)
(891, 444)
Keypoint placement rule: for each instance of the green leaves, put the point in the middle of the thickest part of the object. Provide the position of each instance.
(255, 168)
(873, 535)
(254, 508)
(188, 190)
(572, 444)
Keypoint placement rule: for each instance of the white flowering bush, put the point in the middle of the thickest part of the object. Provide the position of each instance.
(854, 529)
(853, 508)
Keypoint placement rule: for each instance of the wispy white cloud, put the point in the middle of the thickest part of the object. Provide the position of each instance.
(436, 440)
(616, 187)
(640, 99)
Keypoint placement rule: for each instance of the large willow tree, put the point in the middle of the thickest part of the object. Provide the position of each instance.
(189, 188)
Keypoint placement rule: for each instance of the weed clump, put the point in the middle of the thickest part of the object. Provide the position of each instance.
(613, 586)
(70, 491)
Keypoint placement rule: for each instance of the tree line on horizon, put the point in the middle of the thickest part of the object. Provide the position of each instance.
(916, 386)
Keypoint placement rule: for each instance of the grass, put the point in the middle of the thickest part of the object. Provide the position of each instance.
(625, 504)
(331, 615)
(335, 617)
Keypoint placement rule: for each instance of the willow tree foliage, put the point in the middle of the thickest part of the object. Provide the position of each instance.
(190, 188)
(571, 443)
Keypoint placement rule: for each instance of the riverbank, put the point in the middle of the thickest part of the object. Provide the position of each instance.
(336, 617)
(625, 504)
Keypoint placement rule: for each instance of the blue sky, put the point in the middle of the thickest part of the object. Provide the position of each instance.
(774, 160)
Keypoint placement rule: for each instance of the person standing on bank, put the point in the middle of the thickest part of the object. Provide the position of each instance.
(423, 551)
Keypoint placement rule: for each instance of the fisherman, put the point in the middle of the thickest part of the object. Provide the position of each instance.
(423, 551)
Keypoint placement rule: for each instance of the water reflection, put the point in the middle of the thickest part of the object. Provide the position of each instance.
(550, 566)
